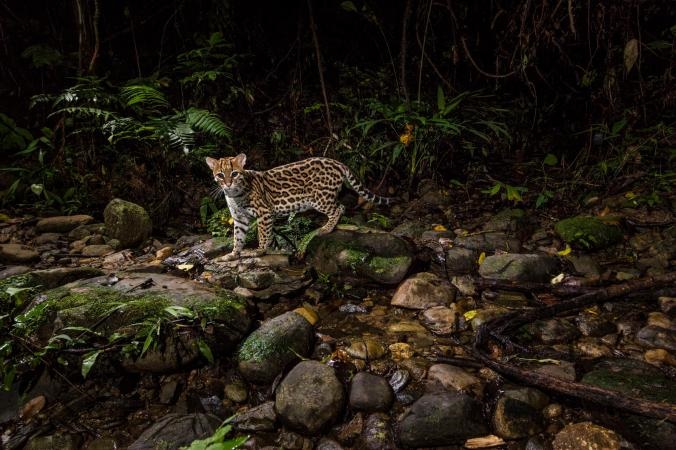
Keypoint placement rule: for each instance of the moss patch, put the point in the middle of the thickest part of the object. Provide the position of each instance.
(588, 233)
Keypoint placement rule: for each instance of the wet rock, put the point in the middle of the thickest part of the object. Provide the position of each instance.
(175, 430)
(62, 224)
(103, 444)
(11, 271)
(412, 229)
(277, 343)
(564, 370)
(592, 348)
(127, 222)
(585, 265)
(453, 378)
(553, 331)
(97, 250)
(441, 419)
(588, 232)
(586, 436)
(47, 238)
(83, 231)
(17, 253)
(361, 255)
(517, 413)
(399, 379)
(422, 291)
(292, 441)
(653, 336)
(328, 444)
(659, 319)
(309, 397)
(537, 443)
(508, 219)
(489, 242)
(370, 393)
(406, 326)
(377, 434)
(54, 441)
(350, 431)
(659, 356)
(366, 348)
(507, 299)
(667, 304)
(519, 267)
(95, 301)
(258, 418)
(483, 315)
(58, 276)
(257, 280)
(236, 391)
(594, 325)
(442, 320)
(460, 260)
(168, 392)
(552, 411)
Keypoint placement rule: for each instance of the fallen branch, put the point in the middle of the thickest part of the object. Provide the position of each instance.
(498, 328)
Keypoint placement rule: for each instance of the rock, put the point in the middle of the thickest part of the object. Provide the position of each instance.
(509, 219)
(236, 391)
(588, 232)
(83, 231)
(103, 444)
(412, 229)
(442, 320)
(483, 315)
(507, 299)
(585, 265)
(257, 280)
(537, 443)
(653, 336)
(377, 433)
(441, 419)
(553, 331)
(175, 430)
(258, 418)
(47, 238)
(667, 304)
(97, 250)
(277, 343)
(517, 413)
(127, 222)
(370, 393)
(11, 271)
(292, 441)
(591, 348)
(58, 276)
(586, 436)
(460, 260)
(453, 378)
(406, 326)
(489, 242)
(519, 267)
(659, 319)
(367, 348)
(62, 224)
(422, 291)
(328, 444)
(564, 370)
(17, 253)
(361, 255)
(658, 356)
(54, 441)
(310, 397)
(552, 411)
(96, 301)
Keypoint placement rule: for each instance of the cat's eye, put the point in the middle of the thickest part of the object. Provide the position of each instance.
(234, 174)
(220, 175)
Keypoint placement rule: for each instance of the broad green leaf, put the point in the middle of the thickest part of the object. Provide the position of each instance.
(205, 351)
(551, 160)
(493, 190)
(514, 193)
(179, 311)
(146, 344)
(348, 6)
(88, 362)
(37, 189)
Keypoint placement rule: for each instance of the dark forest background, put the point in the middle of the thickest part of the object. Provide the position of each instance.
(531, 100)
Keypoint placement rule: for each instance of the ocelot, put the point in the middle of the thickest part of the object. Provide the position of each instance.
(299, 186)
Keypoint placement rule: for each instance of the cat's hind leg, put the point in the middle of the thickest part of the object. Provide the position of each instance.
(333, 213)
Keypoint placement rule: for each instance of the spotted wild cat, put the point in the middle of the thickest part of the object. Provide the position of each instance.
(313, 183)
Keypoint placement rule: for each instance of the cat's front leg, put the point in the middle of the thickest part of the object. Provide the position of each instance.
(240, 226)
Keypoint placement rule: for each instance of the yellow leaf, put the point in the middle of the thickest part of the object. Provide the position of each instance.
(565, 251)
(557, 279)
(469, 315)
(629, 195)
(439, 228)
(4, 217)
(308, 314)
(185, 267)
(231, 221)
(482, 257)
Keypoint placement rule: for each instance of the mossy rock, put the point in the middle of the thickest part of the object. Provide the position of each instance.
(361, 255)
(127, 222)
(589, 233)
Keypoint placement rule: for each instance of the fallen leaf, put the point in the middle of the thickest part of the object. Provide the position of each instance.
(469, 315)
(565, 251)
(482, 258)
(231, 221)
(440, 228)
(557, 279)
(32, 407)
(185, 267)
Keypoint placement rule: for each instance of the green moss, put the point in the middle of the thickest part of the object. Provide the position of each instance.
(634, 379)
(258, 348)
(383, 264)
(588, 232)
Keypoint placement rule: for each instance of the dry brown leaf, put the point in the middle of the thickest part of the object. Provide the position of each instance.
(484, 442)
(32, 407)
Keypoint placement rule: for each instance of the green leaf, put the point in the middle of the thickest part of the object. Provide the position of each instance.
(205, 351)
(493, 190)
(37, 189)
(551, 160)
(88, 362)
(179, 311)
(147, 343)
(441, 99)
(8, 379)
(618, 126)
(348, 6)
(514, 193)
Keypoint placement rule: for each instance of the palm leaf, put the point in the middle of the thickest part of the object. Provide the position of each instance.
(142, 95)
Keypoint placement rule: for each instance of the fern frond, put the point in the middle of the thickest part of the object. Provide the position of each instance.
(181, 137)
(86, 112)
(207, 122)
(143, 95)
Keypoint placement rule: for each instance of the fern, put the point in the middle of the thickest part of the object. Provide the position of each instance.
(85, 112)
(207, 122)
(143, 95)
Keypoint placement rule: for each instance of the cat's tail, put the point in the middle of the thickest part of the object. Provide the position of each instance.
(361, 190)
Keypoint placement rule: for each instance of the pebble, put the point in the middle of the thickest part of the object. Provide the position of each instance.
(370, 393)
(366, 349)
(586, 436)
(400, 351)
(453, 378)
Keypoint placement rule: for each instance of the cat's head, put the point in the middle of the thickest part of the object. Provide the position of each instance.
(228, 173)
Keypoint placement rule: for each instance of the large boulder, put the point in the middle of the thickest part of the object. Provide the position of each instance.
(125, 306)
(423, 290)
(441, 419)
(127, 222)
(277, 343)
(310, 397)
(176, 430)
(361, 255)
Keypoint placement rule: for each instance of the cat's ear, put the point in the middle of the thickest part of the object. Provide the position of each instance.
(240, 160)
(211, 162)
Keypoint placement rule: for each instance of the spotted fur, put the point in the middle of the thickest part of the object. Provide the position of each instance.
(313, 183)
